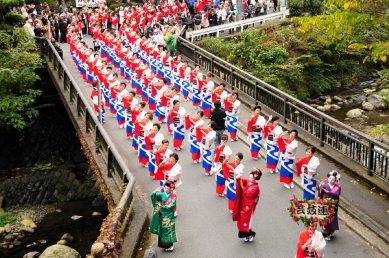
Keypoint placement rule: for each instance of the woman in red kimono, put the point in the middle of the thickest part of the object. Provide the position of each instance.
(247, 196)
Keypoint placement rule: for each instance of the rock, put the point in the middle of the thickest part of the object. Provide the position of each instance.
(67, 237)
(314, 105)
(347, 119)
(2, 230)
(150, 253)
(321, 108)
(369, 91)
(97, 249)
(27, 229)
(374, 84)
(59, 251)
(383, 92)
(7, 228)
(29, 223)
(58, 211)
(11, 246)
(328, 100)
(335, 107)
(338, 85)
(327, 107)
(378, 81)
(76, 217)
(337, 98)
(367, 106)
(62, 242)
(96, 213)
(378, 101)
(16, 243)
(364, 117)
(31, 255)
(353, 113)
(42, 241)
(323, 97)
(9, 237)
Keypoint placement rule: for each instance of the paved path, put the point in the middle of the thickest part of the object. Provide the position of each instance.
(204, 226)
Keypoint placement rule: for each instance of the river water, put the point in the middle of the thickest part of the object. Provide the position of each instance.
(353, 96)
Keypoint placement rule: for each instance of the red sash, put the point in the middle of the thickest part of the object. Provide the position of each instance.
(300, 162)
(218, 151)
(200, 133)
(148, 142)
(226, 169)
(267, 130)
(282, 142)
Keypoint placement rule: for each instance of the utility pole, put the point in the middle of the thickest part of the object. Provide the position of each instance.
(238, 10)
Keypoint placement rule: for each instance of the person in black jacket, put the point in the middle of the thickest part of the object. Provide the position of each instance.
(212, 18)
(62, 28)
(218, 115)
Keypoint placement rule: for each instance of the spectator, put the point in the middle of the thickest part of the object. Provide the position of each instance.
(29, 27)
(218, 115)
(62, 7)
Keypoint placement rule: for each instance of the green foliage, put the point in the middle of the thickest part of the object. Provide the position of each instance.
(6, 218)
(113, 6)
(18, 60)
(5, 4)
(296, 8)
(380, 132)
(313, 7)
(12, 17)
(48, 164)
(51, 3)
(6, 28)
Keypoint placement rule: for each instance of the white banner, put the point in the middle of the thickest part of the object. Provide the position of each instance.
(91, 3)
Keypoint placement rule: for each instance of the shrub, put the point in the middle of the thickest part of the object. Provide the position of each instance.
(296, 8)
(314, 7)
(5, 27)
(113, 6)
(12, 18)
(6, 218)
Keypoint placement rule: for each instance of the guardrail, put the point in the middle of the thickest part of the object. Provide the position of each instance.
(110, 154)
(367, 152)
(238, 24)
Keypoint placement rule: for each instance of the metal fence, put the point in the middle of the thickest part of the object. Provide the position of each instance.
(237, 25)
(110, 154)
(367, 152)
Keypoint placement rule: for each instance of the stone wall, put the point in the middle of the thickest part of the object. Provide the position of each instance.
(60, 184)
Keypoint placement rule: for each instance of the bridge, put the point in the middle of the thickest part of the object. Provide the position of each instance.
(204, 226)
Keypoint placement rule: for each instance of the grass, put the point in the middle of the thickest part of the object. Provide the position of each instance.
(6, 218)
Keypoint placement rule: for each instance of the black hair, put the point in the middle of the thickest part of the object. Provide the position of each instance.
(217, 104)
(257, 107)
(294, 131)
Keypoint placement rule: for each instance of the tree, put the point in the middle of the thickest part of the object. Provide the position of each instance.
(354, 25)
(18, 60)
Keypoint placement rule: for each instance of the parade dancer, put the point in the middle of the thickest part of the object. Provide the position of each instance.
(288, 148)
(152, 90)
(184, 72)
(120, 112)
(94, 96)
(168, 98)
(219, 94)
(114, 86)
(231, 105)
(129, 102)
(222, 154)
(306, 167)
(206, 101)
(191, 124)
(161, 88)
(137, 114)
(207, 146)
(146, 127)
(162, 155)
(230, 171)
(195, 78)
(247, 197)
(255, 128)
(177, 119)
(272, 132)
(153, 143)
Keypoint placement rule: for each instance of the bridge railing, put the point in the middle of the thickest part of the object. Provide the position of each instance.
(366, 151)
(238, 24)
(114, 162)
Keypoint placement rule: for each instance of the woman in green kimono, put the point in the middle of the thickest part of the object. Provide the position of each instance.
(163, 221)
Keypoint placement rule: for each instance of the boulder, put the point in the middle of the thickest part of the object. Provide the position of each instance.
(62, 242)
(327, 107)
(96, 213)
(31, 255)
(76, 217)
(29, 223)
(27, 229)
(321, 108)
(67, 237)
(16, 242)
(9, 237)
(367, 106)
(354, 113)
(7, 228)
(337, 98)
(328, 101)
(378, 101)
(334, 107)
(323, 97)
(314, 105)
(374, 84)
(2, 230)
(60, 251)
(97, 249)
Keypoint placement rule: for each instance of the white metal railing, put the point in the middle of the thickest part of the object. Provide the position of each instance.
(216, 29)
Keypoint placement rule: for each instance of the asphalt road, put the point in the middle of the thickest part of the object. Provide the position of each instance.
(204, 226)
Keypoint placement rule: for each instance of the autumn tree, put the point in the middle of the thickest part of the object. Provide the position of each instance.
(18, 61)
(354, 25)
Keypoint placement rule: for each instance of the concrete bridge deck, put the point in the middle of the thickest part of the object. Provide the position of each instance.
(204, 225)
